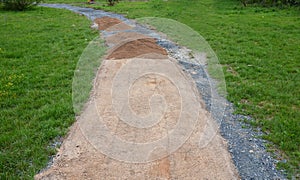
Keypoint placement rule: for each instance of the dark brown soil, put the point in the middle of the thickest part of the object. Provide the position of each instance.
(106, 22)
(136, 48)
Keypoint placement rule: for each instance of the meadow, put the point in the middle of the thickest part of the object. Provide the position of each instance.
(39, 50)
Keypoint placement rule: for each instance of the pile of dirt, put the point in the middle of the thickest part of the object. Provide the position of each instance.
(136, 48)
(106, 22)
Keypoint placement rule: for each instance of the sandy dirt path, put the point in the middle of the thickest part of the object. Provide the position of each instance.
(144, 120)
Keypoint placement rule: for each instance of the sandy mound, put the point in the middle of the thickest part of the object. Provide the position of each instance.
(106, 22)
(136, 48)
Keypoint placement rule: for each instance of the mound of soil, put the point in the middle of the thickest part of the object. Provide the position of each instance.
(136, 48)
(106, 22)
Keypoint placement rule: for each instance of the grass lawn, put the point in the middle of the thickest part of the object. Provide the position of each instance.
(39, 50)
(259, 49)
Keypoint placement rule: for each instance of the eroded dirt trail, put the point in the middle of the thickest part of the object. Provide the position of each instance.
(143, 97)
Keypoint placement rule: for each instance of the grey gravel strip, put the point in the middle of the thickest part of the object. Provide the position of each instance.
(248, 152)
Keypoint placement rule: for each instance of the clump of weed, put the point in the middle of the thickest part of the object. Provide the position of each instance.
(19, 5)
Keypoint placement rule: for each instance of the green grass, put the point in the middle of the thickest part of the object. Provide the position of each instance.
(259, 49)
(85, 71)
(39, 50)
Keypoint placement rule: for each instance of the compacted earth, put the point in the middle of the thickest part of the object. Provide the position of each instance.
(150, 116)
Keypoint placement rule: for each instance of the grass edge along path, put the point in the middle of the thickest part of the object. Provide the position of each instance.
(39, 50)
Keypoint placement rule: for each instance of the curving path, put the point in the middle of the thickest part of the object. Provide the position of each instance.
(149, 116)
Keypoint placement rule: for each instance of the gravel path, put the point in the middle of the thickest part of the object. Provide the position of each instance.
(248, 152)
